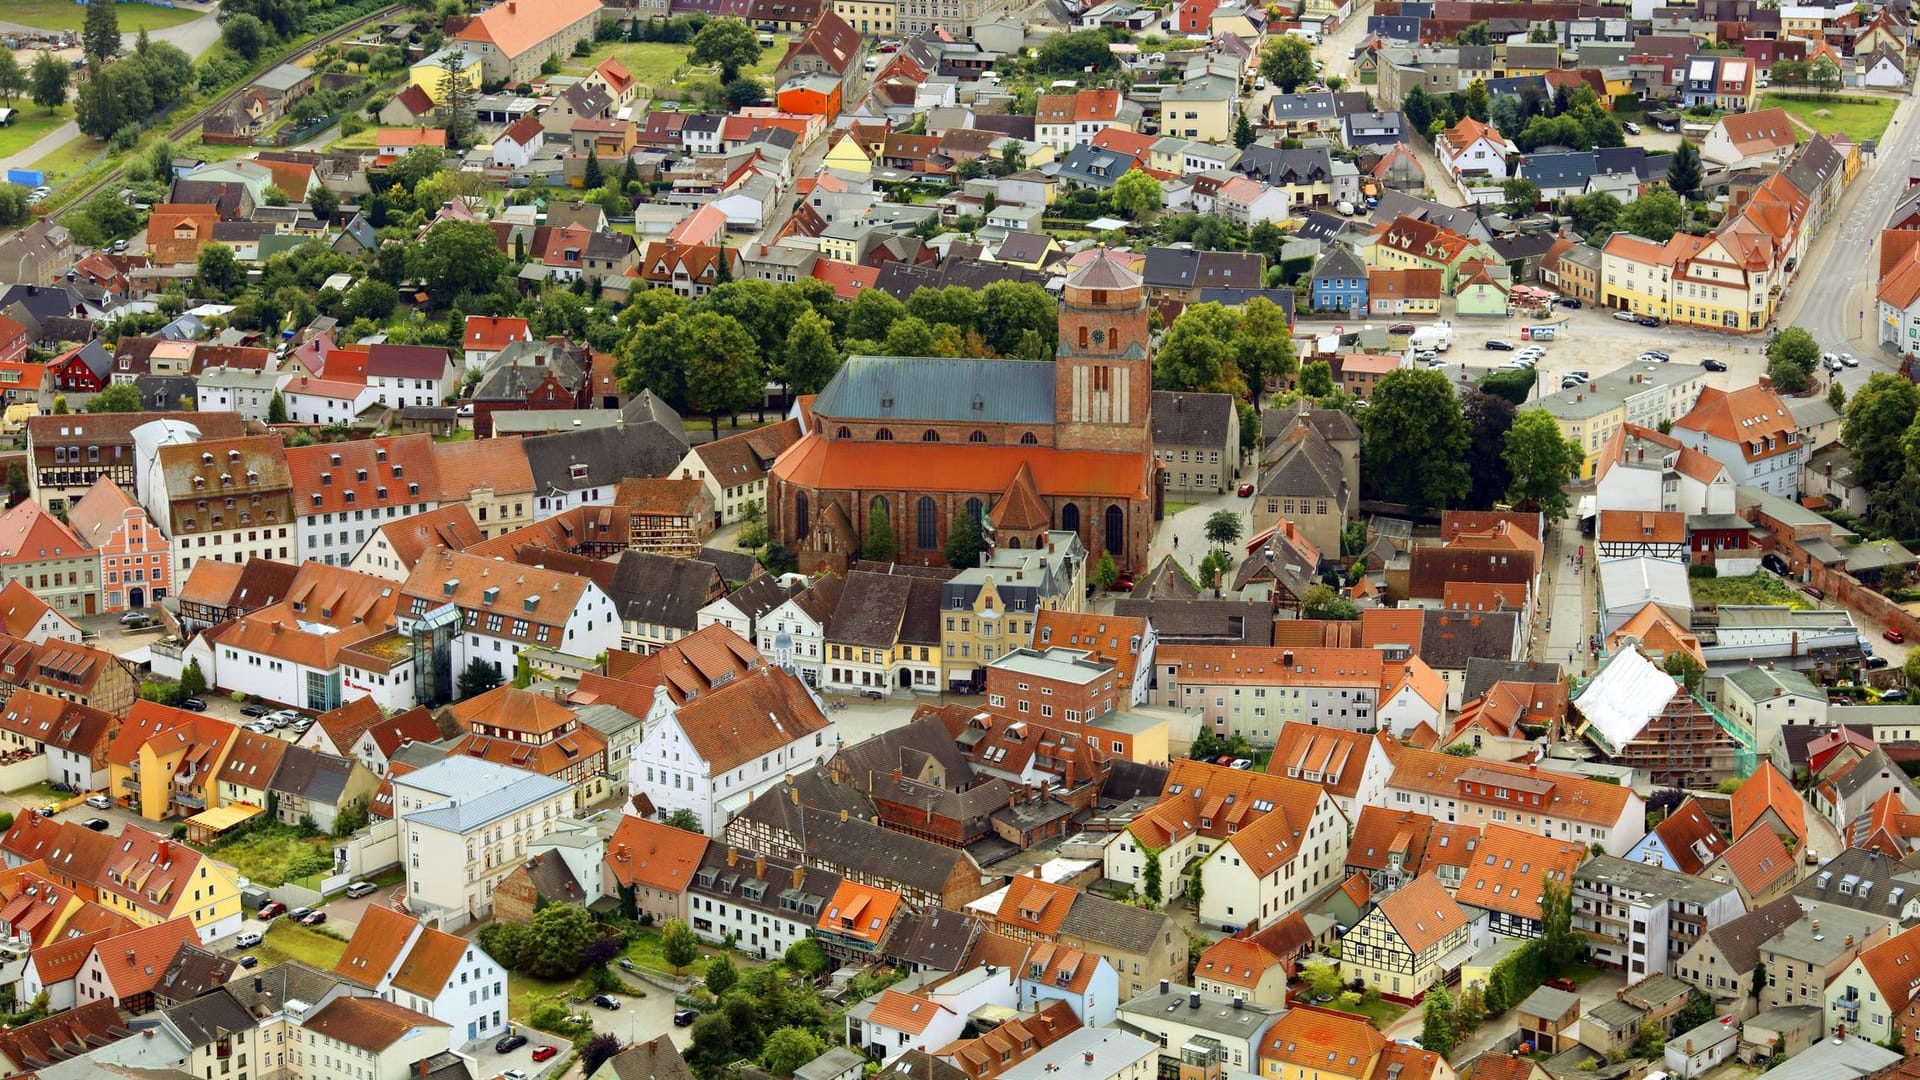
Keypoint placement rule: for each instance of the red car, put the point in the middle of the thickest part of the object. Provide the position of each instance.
(272, 909)
(1246, 491)
(542, 1053)
(1894, 636)
(1125, 584)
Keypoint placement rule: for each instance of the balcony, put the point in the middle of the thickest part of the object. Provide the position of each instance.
(1849, 1007)
(188, 798)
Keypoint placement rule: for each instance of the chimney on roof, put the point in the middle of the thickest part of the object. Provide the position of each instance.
(799, 874)
(760, 866)
(1036, 870)
(733, 855)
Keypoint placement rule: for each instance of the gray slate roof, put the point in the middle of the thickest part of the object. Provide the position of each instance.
(1191, 419)
(476, 792)
(924, 388)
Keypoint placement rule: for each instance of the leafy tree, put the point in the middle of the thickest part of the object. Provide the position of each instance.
(193, 681)
(1076, 52)
(1469, 1010)
(1320, 601)
(1288, 63)
(1682, 666)
(1416, 107)
(277, 409)
(1793, 348)
(111, 98)
(809, 357)
(477, 678)
(1474, 34)
(1541, 462)
(371, 298)
(1316, 379)
(1489, 417)
(284, 17)
(117, 398)
(806, 957)
(14, 209)
(1321, 978)
(1910, 667)
(728, 42)
(597, 1050)
(1594, 215)
(457, 257)
(1009, 310)
(1436, 1028)
(1656, 215)
(1824, 74)
(1414, 440)
(1477, 103)
(1150, 885)
(49, 77)
(728, 1034)
(1649, 1040)
(416, 165)
(1223, 527)
(245, 35)
(964, 542)
(1519, 194)
(1880, 413)
(721, 975)
(1106, 573)
(685, 820)
(1137, 195)
(557, 941)
(219, 269)
(1559, 942)
(1263, 345)
(1837, 397)
(100, 33)
(678, 946)
(1195, 354)
(13, 77)
(17, 481)
(788, 1048)
(742, 92)
(723, 367)
(1242, 131)
(1683, 171)
(60, 405)
(879, 545)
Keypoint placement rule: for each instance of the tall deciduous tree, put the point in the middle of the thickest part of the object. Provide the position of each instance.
(13, 77)
(809, 357)
(964, 541)
(879, 544)
(1541, 462)
(49, 77)
(1880, 413)
(728, 42)
(1137, 195)
(121, 397)
(723, 367)
(1436, 1027)
(1288, 63)
(678, 946)
(1414, 441)
(1488, 417)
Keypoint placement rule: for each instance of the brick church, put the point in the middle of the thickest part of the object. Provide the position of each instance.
(1031, 445)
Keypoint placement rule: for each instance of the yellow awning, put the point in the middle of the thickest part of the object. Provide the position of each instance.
(221, 818)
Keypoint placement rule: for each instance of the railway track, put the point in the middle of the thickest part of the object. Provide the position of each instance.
(193, 123)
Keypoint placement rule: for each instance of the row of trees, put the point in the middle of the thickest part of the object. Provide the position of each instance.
(1881, 430)
(117, 99)
(1419, 446)
(45, 80)
(1221, 350)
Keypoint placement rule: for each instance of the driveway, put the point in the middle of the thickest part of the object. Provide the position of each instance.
(1598, 990)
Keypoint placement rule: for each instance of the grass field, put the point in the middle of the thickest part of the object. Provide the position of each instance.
(71, 157)
(1757, 588)
(290, 941)
(31, 126)
(272, 855)
(67, 15)
(644, 949)
(1860, 117)
(654, 64)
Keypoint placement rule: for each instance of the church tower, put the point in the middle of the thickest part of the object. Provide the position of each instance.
(1103, 374)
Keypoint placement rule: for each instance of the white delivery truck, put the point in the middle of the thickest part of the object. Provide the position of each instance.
(1437, 337)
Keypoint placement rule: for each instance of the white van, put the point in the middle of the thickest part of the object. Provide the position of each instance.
(247, 939)
(1311, 37)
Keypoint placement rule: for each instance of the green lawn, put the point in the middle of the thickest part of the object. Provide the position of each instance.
(1174, 506)
(70, 158)
(1860, 117)
(289, 941)
(523, 989)
(1381, 1011)
(38, 795)
(654, 64)
(272, 855)
(1757, 588)
(644, 949)
(30, 127)
(67, 15)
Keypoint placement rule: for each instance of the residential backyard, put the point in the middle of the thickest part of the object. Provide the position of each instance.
(278, 854)
(67, 15)
(1755, 588)
(663, 68)
(1861, 118)
(290, 941)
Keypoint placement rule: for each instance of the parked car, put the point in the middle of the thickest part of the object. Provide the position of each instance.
(249, 962)
(685, 1018)
(1565, 984)
(99, 802)
(1655, 356)
(1125, 584)
(132, 617)
(98, 824)
(1849, 359)
(1647, 320)
(1631, 127)
(247, 939)
(1499, 345)
(1894, 635)
(545, 1052)
(1625, 316)
(194, 704)
(1876, 662)
(1774, 563)
(1713, 365)
(359, 889)
(299, 913)
(1895, 694)
(313, 918)
(253, 710)
(1814, 591)
(1570, 302)
(1400, 328)
(606, 1001)
(1245, 491)
(509, 1043)
(270, 910)
(626, 964)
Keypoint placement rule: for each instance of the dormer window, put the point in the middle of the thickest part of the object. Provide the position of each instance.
(326, 479)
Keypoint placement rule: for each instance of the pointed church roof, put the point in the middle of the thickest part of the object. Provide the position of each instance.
(1107, 270)
(1019, 509)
